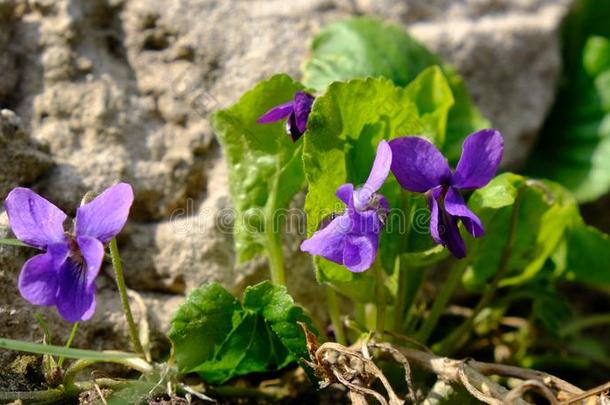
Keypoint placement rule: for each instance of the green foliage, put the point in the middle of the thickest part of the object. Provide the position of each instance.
(219, 338)
(265, 167)
(340, 148)
(551, 309)
(367, 47)
(588, 255)
(574, 148)
(544, 210)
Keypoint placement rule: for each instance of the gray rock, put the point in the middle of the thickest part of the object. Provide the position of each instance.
(21, 159)
(122, 90)
(510, 59)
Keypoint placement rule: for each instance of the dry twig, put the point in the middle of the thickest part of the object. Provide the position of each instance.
(531, 385)
(354, 368)
(589, 393)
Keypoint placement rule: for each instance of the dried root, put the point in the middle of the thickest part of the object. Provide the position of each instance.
(353, 367)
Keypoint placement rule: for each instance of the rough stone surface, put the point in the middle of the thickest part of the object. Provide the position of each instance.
(510, 60)
(121, 90)
(21, 159)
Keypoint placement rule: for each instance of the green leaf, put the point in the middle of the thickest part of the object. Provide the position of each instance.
(265, 167)
(544, 212)
(13, 242)
(219, 338)
(11, 344)
(588, 255)
(552, 310)
(202, 324)
(574, 147)
(345, 126)
(425, 258)
(367, 47)
(431, 94)
(363, 47)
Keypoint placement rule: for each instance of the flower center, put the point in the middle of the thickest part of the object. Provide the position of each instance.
(75, 253)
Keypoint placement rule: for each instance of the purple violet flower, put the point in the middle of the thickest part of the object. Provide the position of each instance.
(352, 239)
(64, 275)
(297, 112)
(420, 167)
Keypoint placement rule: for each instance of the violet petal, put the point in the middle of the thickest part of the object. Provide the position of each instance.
(378, 175)
(365, 222)
(451, 237)
(417, 164)
(38, 281)
(33, 219)
(92, 251)
(329, 242)
(75, 302)
(455, 206)
(481, 155)
(345, 193)
(104, 217)
(292, 129)
(276, 113)
(435, 213)
(302, 107)
(360, 252)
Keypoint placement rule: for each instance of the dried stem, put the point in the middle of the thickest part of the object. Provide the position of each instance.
(532, 385)
(589, 393)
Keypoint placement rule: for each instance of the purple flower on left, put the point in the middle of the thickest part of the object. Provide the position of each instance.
(297, 111)
(64, 274)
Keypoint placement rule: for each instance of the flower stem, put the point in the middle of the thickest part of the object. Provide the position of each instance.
(276, 258)
(380, 297)
(583, 323)
(405, 293)
(457, 338)
(52, 395)
(120, 281)
(60, 362)
(274, 237)
(441, 301)
(335, 317)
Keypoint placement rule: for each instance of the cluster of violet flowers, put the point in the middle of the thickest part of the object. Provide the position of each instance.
(352, 238)
(64, 274)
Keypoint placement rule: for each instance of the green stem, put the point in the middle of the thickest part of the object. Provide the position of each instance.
(274, 237)
(370, 316)
(335, 317)
(57, 395)
(360, 313)
(457, 338)
(13, 242)
(584, 323)
(402, 305)
(46, 396)
(415, 280)
(60, 362)
(38, 348)
(71, 387)
(380, 297)
(120, 281)
(276, 258)
(401, 295)
(441, 301)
